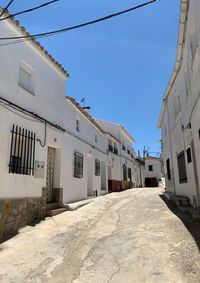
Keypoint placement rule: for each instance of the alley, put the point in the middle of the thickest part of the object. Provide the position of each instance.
(130, 236)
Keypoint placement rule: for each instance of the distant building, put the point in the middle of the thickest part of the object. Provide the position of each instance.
(180, 113)
(152, 171)
(122, 168)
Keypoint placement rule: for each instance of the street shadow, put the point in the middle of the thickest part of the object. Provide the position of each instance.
(192, 226)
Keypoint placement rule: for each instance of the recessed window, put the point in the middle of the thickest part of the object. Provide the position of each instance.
(182, 168)
(96, 138)
(189, 155)
(97, 167)
(78, 165)
(150, 167)
(77, 125)
(168, 169)
(26, 79)
(124, 172)
(177, 105)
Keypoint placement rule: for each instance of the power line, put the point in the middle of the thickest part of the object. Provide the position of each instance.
(29, 10)
(45, 34)
(5, 9)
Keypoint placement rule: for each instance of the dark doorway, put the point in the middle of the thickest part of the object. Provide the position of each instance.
(151, 182)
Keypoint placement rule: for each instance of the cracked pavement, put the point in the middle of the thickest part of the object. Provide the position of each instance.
(130, 236)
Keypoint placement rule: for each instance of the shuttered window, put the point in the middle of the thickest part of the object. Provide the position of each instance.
(26, 80)
(182, 167)
(78, 165)
(124, 172)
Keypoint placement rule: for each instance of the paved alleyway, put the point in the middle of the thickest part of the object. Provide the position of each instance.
(123, 237)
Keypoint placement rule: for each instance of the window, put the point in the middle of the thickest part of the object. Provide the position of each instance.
(177, 105)
(124, 172)
(26, 79)
(129, 174)
(150, 167)
(77, 125)
(78, 165)
(123, 147)
(110, 146)
(168, 169)
(189, 155)
(128, 151)
(97, 167)
(96, 138)
(182, 167)
(22, 151)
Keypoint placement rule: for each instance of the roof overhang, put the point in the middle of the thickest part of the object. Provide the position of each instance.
(179, 55)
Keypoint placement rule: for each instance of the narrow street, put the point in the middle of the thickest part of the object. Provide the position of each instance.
(130, 236)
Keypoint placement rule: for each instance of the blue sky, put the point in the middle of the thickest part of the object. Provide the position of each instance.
(121, 66)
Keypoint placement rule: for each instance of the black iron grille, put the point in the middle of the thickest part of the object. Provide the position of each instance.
(22, 151)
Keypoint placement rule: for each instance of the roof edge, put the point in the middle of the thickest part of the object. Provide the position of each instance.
(184, 8)
(36, 43)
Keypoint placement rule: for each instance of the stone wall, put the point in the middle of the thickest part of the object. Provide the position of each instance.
(16, 213)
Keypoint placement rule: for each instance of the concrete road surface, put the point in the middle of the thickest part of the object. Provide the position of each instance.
(122, 237)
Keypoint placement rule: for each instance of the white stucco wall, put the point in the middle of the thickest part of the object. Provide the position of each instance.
(179, 133)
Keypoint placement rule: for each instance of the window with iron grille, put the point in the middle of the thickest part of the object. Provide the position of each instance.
(124, 172)
(189, 155)
(168, 169)
(78, 165)
(97, 167)
(22, 151)
(182, 167)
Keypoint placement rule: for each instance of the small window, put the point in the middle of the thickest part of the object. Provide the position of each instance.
(168, 169)
(96, 138)
(97, 167)
(26, 79)
(124, 172)
(78, 165)
(77, 125)
(189, 155)
(150, 167)
(123, 147)
(182, 168)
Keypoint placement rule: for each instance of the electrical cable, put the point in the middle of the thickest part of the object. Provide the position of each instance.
(29, 10)
(50, 33)
(5, 9)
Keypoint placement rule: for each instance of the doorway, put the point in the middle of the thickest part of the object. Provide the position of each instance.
(50, 173)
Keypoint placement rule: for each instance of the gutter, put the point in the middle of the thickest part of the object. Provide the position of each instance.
(179, 55)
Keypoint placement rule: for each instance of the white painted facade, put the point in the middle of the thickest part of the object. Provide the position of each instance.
(125, 151)
(47, 100)
(152, 170)
(180, 114)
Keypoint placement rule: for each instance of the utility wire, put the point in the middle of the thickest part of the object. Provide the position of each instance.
(45, 34)
(5, 9)
(29, 10)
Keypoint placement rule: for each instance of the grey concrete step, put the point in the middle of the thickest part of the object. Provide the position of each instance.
(52, 205)
(54, 212)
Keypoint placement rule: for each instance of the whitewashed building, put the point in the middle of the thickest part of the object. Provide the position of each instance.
(122, 171)
(152, 171)
(52, 151)
(180, 113)
(32, 89)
